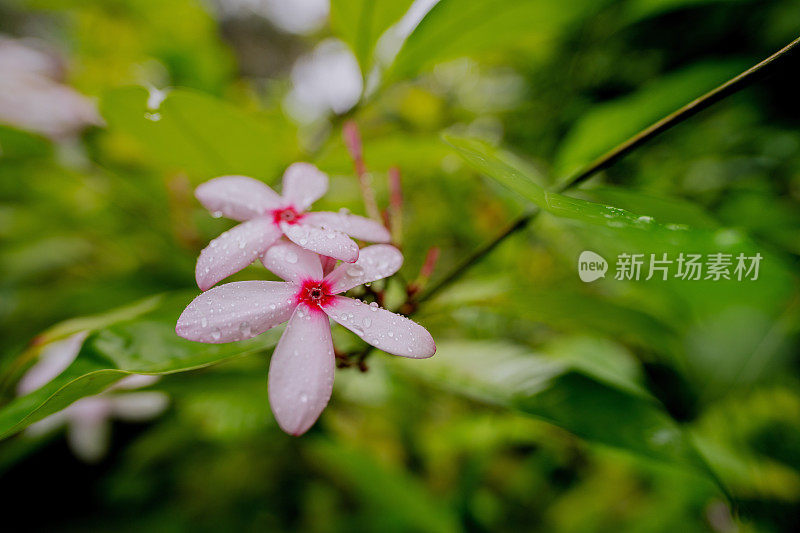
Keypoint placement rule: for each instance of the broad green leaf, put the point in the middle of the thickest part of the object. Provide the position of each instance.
(498, 165)
(454, 29)
(577, 396)
(663, 209)
(601, 359)
(145, 345)
(608, 124)
(564, 309)
(96, 322)
(701, 311)
(201, 135)
(360, 23)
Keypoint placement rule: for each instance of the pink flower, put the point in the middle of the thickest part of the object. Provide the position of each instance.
(302, 366)
(88, 420)
(266, 216)
(33, 97)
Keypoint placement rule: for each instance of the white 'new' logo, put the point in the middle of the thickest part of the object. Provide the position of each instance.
(591, 266)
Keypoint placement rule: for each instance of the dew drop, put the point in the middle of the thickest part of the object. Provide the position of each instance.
(216, 334)
(291, 257)
(203, 322)
(367, 322)
(153, 117)
(216, 214)
(304, 398)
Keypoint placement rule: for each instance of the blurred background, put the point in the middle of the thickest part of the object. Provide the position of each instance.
(551, 405)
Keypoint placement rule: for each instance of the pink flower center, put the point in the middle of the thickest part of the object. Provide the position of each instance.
(314, 293)
(287, 214)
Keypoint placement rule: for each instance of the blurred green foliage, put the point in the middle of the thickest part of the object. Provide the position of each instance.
(552, 405)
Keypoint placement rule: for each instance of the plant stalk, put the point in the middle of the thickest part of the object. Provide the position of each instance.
(606, 160)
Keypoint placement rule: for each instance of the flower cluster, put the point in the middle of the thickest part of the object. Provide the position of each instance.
(303, 249)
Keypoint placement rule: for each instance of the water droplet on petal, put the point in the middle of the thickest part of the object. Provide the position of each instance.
(216, 334)
(291, 257)
(216, 214)
(203, 322)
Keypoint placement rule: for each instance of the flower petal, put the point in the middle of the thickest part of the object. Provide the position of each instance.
(328, 264)
(89, 430)
(374, 262)
(135, 381)
(357, 227)
(383, 329)
(301, 371)
(234, 250)
(236, 311)
(303, 184)
(237, 197)
(292, 263)
(322, 241)
(53, 360)
(138, 406)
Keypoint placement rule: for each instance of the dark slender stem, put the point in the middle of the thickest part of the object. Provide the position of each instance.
(612, 156)
(606, 160)
(476, 256)
(721, 92)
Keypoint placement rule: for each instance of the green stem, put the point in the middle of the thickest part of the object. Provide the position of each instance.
(721, 92)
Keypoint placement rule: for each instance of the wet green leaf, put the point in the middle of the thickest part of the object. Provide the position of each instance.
(575, 393)
(144, 345)
(198, 134)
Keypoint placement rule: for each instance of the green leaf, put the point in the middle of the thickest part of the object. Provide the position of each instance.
(701, 311)
(454, 29)
(608, 124)
(593, 400)
(663, 209)
(201, 135)
(360, 23)
(96, 322)
(498, 165)
(145, 345)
